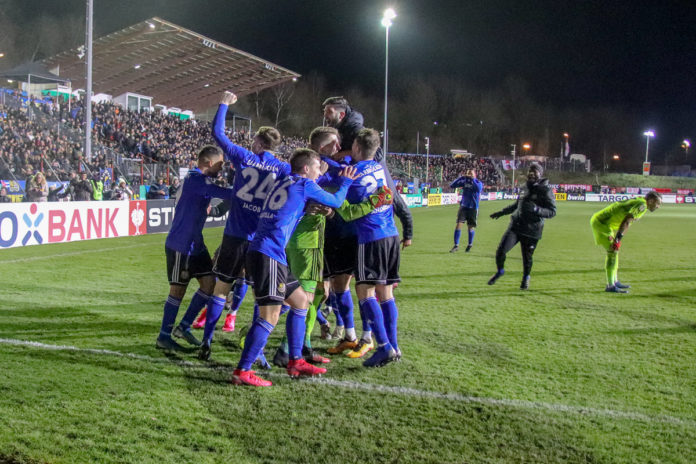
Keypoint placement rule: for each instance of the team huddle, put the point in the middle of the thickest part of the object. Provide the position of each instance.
(330, 204)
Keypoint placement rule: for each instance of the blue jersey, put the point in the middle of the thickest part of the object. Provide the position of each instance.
(471, 191)
(254, 176)
(283, 209)
(191, 211)
(380, 222)
(337, 228)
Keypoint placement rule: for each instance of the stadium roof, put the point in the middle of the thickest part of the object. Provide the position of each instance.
(32, 72)
(175, 66)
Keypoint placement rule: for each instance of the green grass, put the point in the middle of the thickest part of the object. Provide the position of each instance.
(562, 373)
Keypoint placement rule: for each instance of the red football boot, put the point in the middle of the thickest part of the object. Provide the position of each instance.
(240, 377)
(300, 367)
(229, 323)
(200, 322)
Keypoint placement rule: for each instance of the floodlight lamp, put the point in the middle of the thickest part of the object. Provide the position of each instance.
(386, 22)
(649, 133)
(526, 146)
(686, 143)
(2, 55)
(137, 66)
(389, 13)
(616, 157)
(152, 26)
(566, 135)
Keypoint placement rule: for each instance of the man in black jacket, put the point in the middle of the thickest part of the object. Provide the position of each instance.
(536, 203)
(339, 115)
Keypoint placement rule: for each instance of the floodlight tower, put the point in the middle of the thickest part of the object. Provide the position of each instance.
(387, 17)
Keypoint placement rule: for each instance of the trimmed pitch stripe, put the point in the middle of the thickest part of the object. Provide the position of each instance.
(74, 253)
(398, 391)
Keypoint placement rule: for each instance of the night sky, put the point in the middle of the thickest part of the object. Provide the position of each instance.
(635, 55)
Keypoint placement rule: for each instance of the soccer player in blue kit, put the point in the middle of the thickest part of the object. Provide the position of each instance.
(255, 173)
(468, 209)
(187, 255)
(377, 262)
(267, 269)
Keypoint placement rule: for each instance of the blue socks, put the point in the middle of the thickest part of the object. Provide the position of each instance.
(216, 305)
(345, 306)
(171, 308)
(391, 315)
(471, 236)
(374, 313)
(238, 293)
(199, 300)
(320, 317)
(457, 236)
(257, 313)
(255, 341)
(295, 331)
(284, 309)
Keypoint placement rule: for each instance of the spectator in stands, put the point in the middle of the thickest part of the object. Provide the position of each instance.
(122, 191)
(97, 188)
(4, 197)
(54, 193)
(174, 188)
(83, 188)
(158, 190)
(37, 188)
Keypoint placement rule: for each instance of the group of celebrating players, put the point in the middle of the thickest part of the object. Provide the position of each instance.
(299, 232)
(296, 232)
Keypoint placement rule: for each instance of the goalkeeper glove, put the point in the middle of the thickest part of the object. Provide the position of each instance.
(615, 245)
(382, 197)
(496, 215)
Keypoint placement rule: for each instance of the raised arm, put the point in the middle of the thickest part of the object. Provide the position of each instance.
(233, 153)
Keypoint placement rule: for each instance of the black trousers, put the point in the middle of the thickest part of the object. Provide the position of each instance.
(509, 240)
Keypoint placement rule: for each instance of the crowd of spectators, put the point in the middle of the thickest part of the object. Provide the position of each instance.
(443, 169)
(45, 137)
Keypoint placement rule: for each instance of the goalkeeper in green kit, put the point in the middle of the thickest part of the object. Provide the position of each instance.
(609, 226)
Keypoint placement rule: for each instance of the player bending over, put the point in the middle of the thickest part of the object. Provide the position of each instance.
(536, 203)
(609, 226)
(468, 209)
(187, 255)
(267, 266)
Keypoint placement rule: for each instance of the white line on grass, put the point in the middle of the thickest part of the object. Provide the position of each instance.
(74, 253)
(400, 391)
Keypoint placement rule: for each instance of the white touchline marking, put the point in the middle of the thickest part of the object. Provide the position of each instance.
(401, 391)
(74, 253)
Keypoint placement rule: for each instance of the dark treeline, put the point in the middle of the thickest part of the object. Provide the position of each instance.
(457, 115)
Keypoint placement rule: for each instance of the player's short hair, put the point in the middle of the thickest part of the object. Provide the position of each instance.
(653, 195)
(208, 152)
(321, 135)
(339, 102)
(301, 157)
(269, 136)
(537, 167)
(368, 141)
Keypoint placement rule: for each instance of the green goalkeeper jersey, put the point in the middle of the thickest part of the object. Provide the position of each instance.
(309, 232)
(614, 214)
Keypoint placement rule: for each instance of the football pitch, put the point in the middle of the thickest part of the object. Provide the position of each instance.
(562, 373)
